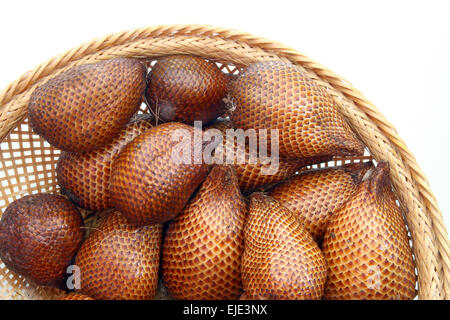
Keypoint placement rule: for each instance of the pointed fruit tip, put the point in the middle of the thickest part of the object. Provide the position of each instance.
(378, 176)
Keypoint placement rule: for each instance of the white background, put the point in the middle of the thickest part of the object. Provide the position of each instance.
(396, 52)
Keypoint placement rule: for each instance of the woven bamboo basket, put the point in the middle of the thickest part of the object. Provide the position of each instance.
(28, 163)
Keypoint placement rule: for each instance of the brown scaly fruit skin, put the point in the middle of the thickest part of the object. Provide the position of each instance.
(39, 236)
(366, 245)
(84, 177)
(281, 261)
(120, 261)
(279, 95)
(186, 88)
(315, 194)
(203, 246)
(147, 185)
(87, 106)
(75, 296)
(249, 175)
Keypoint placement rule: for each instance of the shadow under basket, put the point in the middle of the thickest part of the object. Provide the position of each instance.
(28, 163)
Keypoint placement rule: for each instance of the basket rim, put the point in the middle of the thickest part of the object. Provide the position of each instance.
(13, 105)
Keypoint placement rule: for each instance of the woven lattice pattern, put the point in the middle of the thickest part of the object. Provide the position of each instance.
(27, 163)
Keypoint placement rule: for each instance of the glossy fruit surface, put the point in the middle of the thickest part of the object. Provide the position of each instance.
(155, 174)
(281, 261)
(255, 174)
(87, 106)
(186, 88)
(203, 245)
(275, 95)
(314, 195)
(85, 177)
(366, 245)
(39, 236)
(120, 261)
